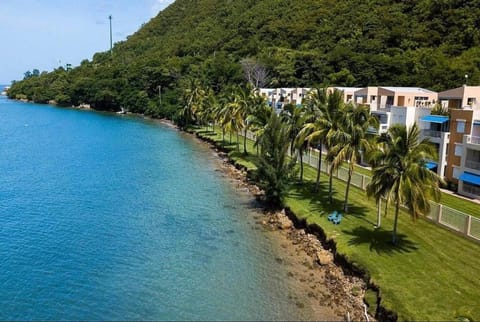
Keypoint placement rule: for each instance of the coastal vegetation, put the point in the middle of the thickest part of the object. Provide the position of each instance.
(276, 43)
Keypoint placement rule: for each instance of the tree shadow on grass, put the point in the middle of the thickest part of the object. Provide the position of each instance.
(318, 201)
(235, 154)
(360, 213)
(380, 240)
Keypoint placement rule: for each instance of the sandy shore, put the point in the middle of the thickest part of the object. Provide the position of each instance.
(320, 288)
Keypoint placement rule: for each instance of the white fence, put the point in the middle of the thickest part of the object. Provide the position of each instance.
(450, 218)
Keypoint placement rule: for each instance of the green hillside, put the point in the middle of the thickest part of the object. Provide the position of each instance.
(425, 43)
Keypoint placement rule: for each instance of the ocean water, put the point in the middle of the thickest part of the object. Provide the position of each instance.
(106, 217)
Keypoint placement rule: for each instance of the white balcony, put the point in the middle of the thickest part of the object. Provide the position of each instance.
(472, 139)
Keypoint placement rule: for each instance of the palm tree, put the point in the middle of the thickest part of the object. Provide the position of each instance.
(259, 118)
(222, 111)
(295, 117)
(192, 97)
(374, 158)
(233, 118)
(273, 168)
(353, 138)
(400, 174)
(209, 109)
(327, 108)
(313, 131)
(243, 102)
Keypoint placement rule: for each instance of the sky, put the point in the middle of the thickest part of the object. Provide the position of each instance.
(46, 34)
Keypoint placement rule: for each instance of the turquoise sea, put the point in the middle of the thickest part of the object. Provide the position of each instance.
(107, 217)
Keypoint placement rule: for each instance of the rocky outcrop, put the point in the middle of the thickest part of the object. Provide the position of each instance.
(345, 291)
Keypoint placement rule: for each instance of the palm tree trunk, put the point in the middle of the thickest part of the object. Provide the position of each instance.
(301, 164)
(350, 171)
(394, 235)
(238, 142)
(379, 213)
(386, 208)
(330, 183)
(319, 166)
(245, 141)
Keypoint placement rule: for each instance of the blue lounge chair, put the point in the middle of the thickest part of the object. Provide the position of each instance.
(337, 220)
(332, 216)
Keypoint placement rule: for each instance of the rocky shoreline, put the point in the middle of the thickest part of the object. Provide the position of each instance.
(323, 287)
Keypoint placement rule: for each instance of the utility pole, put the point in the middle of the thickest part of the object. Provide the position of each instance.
(111, 47)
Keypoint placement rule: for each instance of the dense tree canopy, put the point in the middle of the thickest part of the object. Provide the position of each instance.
(425, 43)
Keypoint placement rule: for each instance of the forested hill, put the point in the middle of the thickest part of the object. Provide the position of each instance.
(427, 43)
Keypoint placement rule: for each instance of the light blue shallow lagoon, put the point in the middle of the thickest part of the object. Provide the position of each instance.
(104, 217)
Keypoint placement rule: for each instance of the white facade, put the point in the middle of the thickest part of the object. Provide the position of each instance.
(278, 97)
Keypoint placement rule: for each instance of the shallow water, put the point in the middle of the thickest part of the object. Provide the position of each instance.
(113, 217)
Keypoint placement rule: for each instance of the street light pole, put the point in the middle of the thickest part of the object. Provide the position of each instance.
(466, 79)
(111, 44)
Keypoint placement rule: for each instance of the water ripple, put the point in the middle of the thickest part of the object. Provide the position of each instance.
(106, 218)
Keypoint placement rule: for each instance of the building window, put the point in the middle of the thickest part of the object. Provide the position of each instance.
(460, 126)
(456, 173)
(458, 150)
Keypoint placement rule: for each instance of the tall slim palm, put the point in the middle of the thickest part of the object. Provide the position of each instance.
(192, 97)
(233, 118)
(222, 111)
(313, 130)
(323, 130)
(374, 158)
(209, 108)
(243, 103)
(400, 173)
(353, 138)
(296, 117)
(259, 118)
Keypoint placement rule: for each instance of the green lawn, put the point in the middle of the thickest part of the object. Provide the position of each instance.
(431, 275)
(449, 200)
